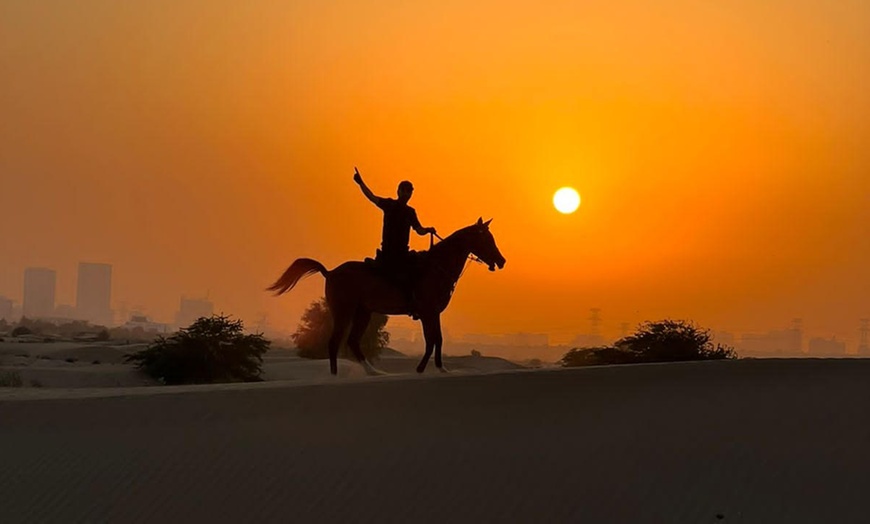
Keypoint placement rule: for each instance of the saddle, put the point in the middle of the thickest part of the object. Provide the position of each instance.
(399, 269)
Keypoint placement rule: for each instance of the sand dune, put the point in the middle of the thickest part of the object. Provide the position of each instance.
(746, 441)
(76, 365)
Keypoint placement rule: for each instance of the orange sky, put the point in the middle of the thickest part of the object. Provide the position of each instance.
(202, 145)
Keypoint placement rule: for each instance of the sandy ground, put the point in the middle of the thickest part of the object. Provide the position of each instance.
(71, 365)
(764, 441)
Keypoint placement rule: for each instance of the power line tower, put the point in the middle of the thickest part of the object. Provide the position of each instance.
(262, 322)
(595, 322)
(864, 346)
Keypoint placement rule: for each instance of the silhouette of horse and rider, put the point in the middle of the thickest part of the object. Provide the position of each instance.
(398, 281)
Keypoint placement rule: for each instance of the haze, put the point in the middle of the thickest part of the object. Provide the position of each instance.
(201, 146)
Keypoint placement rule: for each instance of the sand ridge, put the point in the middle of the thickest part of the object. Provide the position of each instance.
(743, 441)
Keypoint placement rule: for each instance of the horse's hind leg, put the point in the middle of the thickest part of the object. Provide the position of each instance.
(339, 326)
(361, 320)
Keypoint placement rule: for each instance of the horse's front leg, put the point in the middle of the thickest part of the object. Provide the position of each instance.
(431, 333)
(438, 341)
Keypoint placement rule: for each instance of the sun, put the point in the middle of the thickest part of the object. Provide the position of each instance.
(566, 200)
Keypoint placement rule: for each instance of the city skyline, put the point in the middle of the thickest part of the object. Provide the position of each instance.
(590, 326)
(94, 293)
(720, 153)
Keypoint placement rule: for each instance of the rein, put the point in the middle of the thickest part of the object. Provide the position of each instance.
(471, 256)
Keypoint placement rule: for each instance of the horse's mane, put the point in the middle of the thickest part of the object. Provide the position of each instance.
(450, 240)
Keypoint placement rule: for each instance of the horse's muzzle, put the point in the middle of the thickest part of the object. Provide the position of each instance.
(500, 263)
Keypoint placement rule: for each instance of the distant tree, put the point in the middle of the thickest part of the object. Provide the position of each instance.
(103, 335)
(213, 349)
(21, 330)
(661, 341)
(134, 335)
(312, 335)
(534, 363)
(598, 356)
(76, 328)
(475, 353)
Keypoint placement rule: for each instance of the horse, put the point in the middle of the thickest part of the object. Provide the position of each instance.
(354, 291)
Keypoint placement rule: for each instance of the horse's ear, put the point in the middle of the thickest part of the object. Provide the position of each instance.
(486, 224)
(480, 221)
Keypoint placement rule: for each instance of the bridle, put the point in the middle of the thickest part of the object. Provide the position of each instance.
(471, 256)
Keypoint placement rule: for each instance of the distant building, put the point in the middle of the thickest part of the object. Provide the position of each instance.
(787, 342)
(864, 344)
(65, 311)
(39, 288)
(94, 293)
(6, 308)
(403, 333)
(138, 321)
(507, 339)
(827, 347)
(192, 309)
(588, 340)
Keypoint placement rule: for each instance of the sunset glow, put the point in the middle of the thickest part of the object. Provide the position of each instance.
(201, 147)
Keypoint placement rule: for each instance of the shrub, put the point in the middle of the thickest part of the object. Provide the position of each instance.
(21, 330)
(10, 379)
(213, 349)
(673, 340)
(598, 356)
(312, 335)
(662, 341)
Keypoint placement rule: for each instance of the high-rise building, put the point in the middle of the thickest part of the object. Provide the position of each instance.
(39, 285)
(5, 308)
(94, 293)
(192, 309)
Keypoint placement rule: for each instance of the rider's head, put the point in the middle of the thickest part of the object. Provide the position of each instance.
(405, 190)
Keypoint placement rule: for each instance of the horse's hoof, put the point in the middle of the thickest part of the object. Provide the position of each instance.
(443, 369)
(421, 369)
(371, 370)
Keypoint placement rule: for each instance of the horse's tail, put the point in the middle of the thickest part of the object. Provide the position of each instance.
(298, 270)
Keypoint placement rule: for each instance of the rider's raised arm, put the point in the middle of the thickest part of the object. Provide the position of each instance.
(376, 200)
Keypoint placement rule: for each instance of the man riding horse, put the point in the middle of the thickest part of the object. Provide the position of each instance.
(395, 257)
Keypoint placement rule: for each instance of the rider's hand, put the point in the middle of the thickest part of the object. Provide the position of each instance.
(356, 176)
(431, 231)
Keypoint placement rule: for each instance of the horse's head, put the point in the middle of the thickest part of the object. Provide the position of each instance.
(481, 243)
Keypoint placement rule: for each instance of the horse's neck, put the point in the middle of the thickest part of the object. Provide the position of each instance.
(451, 259)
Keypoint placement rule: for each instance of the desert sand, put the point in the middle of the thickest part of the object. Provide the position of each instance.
(75, 365)
(741, 441)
